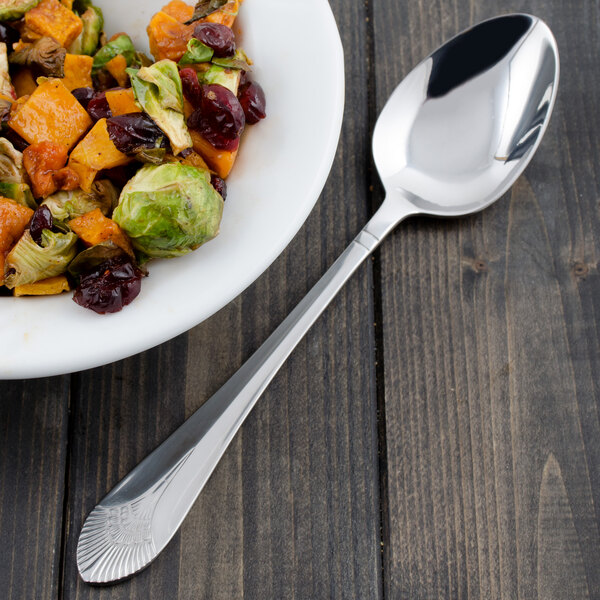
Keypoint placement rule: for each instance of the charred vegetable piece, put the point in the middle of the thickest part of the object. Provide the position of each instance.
(121, 45)
(109, 287)
(78, 71)
(50, 18)
(42, 219)
(135, 131)
(219, 118)
(45, 57)
(46, 287)
(122, 102)
(13, 220)
(217, 37)
(45, 165)
(11, 10)
(29, 262)
(169, 210)
(159, 92)
(94, 228)
(52, 114)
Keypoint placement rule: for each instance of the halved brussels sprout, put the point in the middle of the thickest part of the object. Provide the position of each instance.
(87, 41)
(11, 10)
(27, 262)
(67, 205)
(158, 90)
(93, 257)
(196, 52)
(6, 87)
(229, 78)
(169, 210)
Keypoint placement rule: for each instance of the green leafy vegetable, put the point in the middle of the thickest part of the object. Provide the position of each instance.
(196, 52)
(93, 257)
(27, 262)
(121, 45)
(238, 61)
(229, 78)
(169, 210)
(19, 192)
(158, 91)
(10, 10)
(6, 87)
(87, 42)
(205, 8)
(11, 163)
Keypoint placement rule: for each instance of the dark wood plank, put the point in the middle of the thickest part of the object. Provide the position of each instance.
(33, 440)
(293, 509)
(491, 350)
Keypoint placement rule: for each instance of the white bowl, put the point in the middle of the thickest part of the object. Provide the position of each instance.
(281, 169)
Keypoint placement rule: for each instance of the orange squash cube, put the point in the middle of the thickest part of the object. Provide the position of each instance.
(225, 15)
(45, 287)
(116, 67)
(95, 152)
(179, 10)
(219, 161)
(13, 220)
(78, 71)
(51, 18)
(51, 114)
(122, 102)
(94, 228)
(24, 83)
(168, 37)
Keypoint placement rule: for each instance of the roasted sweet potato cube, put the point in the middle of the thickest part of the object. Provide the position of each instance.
(51, 114)
(168, 37)
(86, 174)
(122, 102)
(220, 161)
(225, 15)
(51, 18)
(78, 71)
(116, 67)
(13, 219)
(44, 287)
(179, 10)
(24, 83)
(94, 228)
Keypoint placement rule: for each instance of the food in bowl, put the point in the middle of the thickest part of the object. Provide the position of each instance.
(107, 158)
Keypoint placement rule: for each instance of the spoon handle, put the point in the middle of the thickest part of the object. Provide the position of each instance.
(136, 520)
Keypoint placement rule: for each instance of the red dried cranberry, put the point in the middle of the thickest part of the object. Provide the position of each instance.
(84, 95)
(42, 219)
(252, 99)
(216, 36)
(134, 131)
(220, 118)
(109, 287)
(15, 139)
(98, 107)
(191, 86)
(219, 184)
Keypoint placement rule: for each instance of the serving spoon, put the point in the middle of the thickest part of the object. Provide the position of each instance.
(452, 138)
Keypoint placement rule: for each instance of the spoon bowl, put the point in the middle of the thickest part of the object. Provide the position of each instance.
(453, 137)
(464, 124)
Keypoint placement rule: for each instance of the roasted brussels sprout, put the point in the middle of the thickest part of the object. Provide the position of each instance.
(121, 45)
(29, 262)
(11, 163)
(11, 10)
(169, 210)
(229, 78)
(88, 39)
(6, 87)
(196, 52)
(45, 57)
(20, 192)
(67, 205)
(158, 91)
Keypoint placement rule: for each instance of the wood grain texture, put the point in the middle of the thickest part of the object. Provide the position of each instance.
(293, 509)
(33, 442)
(491, 350)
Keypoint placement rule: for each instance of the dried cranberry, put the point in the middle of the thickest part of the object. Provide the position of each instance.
(216, 36)
(252, 99)
(98, 107)
(42, 219)
(135, 131)
(9, 36)
(191, 86)
(109, 287)
(219, 118)
(84, 95)
(15, 139)
(219, 185)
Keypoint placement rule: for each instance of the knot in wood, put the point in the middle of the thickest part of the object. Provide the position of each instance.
(580, 270)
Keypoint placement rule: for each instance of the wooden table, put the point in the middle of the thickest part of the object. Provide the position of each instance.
(436, 435)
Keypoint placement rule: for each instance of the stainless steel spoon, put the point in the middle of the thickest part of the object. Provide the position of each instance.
(453, 137)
